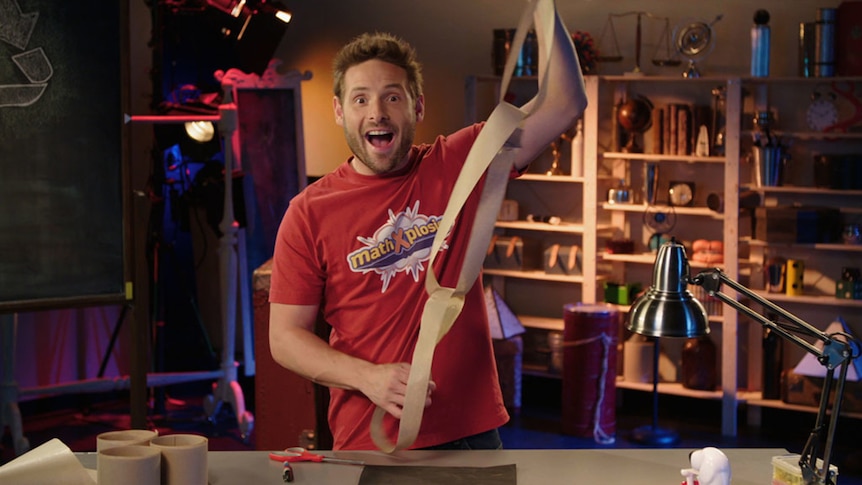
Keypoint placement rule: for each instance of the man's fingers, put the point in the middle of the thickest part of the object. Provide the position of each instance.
(395, 389)
(393, 409)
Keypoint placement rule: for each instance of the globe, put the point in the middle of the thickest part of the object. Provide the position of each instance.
(635, 114)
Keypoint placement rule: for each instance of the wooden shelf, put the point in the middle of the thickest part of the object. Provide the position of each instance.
(723, 172)
(810, 299)
(566, 179)
(810, 247)
(691, 211)
(659, 157)
(751, 398)
(540, 177)
(649, 258)
(755, 398)
(720, 171)
(536, 275)
(666, 79)
(814, 135)
(791, 189)
(543, 323)
(796, 79)
(563, 227)
(670, 388)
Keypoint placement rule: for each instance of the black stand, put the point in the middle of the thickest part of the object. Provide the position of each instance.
(652, 435)
(116, 333)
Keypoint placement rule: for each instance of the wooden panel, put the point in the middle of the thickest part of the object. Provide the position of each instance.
(287, 407)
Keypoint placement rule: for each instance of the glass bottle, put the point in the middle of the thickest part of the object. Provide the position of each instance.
(698, 367)
(719, 120)
(773, 357)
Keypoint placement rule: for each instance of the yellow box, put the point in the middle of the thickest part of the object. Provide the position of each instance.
(795, 272)
(786, 471)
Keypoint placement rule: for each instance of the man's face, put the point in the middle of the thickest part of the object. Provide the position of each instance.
(378, 116)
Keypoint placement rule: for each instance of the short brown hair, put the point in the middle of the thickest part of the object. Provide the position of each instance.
(382, 46)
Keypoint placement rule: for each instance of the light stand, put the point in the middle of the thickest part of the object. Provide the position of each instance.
(652, 435)
(231, 252)
(232, 274)
(669, 309)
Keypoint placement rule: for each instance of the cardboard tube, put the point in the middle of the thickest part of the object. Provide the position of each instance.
(127, 437)
(184, 458)
(129, 465)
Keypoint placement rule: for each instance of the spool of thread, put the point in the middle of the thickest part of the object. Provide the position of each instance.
(824, 39)
(760, 44)
(590, 333)
(795, 270)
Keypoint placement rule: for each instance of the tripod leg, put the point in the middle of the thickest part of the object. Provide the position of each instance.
(113, 340)
(10, 415)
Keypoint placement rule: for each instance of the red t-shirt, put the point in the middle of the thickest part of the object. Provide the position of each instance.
(359, 245)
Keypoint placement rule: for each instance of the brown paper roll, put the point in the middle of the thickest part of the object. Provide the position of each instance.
(129, 465)
(184, 458)
(127, 437)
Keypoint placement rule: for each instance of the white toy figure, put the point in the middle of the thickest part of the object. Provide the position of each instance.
(710, 465)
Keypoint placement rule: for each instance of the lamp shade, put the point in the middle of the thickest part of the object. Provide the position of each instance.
(668, 309)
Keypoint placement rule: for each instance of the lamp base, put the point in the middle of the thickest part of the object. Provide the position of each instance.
(654, 436)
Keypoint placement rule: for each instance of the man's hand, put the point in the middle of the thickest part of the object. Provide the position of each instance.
(386, 387)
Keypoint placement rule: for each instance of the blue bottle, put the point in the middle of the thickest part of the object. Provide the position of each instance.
(760, 44)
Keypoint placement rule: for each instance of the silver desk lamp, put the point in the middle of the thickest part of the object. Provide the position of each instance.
(667, 300)
(668, 309)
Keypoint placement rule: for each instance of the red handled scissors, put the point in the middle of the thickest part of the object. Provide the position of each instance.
(295, 454)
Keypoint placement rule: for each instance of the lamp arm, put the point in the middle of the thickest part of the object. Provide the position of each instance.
(811, 473)
(835, 353)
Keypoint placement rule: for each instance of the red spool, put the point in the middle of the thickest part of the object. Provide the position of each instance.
(589, 371)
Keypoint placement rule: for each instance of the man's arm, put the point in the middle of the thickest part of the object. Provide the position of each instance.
(295, 346)
(563, 104)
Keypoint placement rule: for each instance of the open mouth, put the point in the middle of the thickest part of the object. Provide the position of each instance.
(379, 138)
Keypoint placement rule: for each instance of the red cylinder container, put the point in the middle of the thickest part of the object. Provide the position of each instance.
(589, 371)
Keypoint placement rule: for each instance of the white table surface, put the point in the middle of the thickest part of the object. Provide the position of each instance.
(546, 467)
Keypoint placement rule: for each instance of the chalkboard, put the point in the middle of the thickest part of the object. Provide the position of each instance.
(62, 153)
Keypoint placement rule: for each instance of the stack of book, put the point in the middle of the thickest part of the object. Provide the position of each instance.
(682, 129)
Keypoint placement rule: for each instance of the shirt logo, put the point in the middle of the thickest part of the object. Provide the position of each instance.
(403, 243)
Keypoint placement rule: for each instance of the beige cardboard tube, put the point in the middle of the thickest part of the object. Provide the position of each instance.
(129, 465)
(125, 437)
(184, 458)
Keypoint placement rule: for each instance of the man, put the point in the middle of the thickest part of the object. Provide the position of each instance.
(355, 245)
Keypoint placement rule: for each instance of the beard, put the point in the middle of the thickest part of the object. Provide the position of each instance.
(377, 164)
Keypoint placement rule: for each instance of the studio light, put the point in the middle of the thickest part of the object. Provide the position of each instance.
(200, 131)
(192, 126)
(255, 28)
(231, 7)
(283, 15)
(669, 310)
